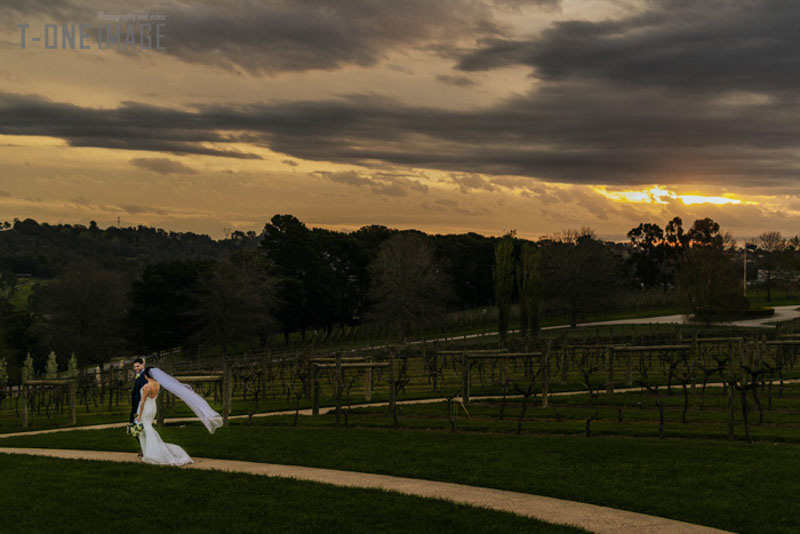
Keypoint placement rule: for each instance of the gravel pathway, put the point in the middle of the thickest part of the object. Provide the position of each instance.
(588, 516)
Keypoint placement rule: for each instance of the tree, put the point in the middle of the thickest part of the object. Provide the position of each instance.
(648, 253)
(673, 233)
(165, 304)
(580, 272)
(530, 285)
(27, 366)
(705, 232)
(235, 303)
(8, 281)
(709, 284)
(656, 254)
(340, 289)
(676, 243)
(772, 245)
(503, 276)
(72, 366)
(82, 311)
(288, 246)
(789, 262)
(17, 337)
(51, 369)
(409, 288)
(468, 260)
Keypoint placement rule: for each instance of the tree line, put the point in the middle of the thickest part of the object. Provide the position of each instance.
(100, 292)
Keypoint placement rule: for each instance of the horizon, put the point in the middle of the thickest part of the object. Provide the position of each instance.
(738, 242)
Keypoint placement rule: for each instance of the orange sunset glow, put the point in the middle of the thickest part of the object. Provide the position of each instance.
(659, 195)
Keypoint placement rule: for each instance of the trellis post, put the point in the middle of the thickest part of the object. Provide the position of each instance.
(339, 384)
(392, 386)
(628, 369)
(368, 384)
(693, 362)
(73, 411)
(314, 390)
(227, 392)
(545, 373)
(465, 377)
(24, 398)
(309, 374)
(609, 370)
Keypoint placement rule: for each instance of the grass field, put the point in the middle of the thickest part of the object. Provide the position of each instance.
(83, 496)
(693, 475)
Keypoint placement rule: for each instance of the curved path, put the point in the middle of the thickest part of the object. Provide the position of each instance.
(588, 516)
(782, 313)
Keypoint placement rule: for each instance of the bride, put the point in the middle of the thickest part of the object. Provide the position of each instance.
(154, 449)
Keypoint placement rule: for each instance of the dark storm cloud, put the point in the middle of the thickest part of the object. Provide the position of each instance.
(131, 126)
(690, 46)
(302, 35)
(576, 132)
(289, 35)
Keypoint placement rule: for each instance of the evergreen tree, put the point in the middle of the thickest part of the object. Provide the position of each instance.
(504, 282)
(51, 369)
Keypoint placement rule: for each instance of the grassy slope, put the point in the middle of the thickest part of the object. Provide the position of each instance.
(82, 496)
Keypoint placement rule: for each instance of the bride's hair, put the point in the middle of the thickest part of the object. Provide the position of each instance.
(147, 373)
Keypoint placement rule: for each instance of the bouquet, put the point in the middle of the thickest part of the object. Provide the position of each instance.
(134, 429)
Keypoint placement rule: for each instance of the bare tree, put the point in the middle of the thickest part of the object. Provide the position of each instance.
(82, 312)
(587, 366)
(409, 288)
(643, 382)
(236, 304)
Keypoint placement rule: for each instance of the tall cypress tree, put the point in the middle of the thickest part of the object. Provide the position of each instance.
(529, 287)
(504, 282)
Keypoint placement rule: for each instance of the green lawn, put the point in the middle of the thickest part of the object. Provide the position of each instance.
(731, 485)
(779, 297)
(82, 496)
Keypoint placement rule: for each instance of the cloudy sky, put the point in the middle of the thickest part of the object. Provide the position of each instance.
(446, 116)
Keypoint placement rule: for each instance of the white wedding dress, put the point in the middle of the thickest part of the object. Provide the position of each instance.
(154, 450)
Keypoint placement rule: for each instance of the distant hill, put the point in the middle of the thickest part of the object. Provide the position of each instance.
(44, 250)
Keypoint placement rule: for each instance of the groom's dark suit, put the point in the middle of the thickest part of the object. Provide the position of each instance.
(136, 396)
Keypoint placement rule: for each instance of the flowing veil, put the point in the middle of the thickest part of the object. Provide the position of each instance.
(210, 419)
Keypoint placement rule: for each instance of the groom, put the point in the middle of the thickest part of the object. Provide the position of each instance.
(136, 396)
